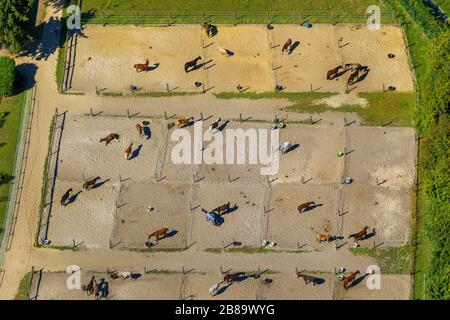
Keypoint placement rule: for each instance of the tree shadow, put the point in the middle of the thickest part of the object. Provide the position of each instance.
(43, 48)
(25, 77)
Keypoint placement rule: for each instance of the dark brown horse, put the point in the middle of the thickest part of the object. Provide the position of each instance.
(223, 208)
(333, 72)
(232, 277)
(286, 45)
(141, 67)
(89, 288)
(190, 65)
(65, 197)
(354, 76)
(348, 280)
(360, 234)
(90, 184)
(110, 137)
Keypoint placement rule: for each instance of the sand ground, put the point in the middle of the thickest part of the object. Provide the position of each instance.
(105, 57)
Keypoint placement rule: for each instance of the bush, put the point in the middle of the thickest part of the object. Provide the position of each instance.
(423, 16)
(7, 71)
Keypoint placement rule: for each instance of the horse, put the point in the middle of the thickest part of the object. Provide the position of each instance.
(158, 234)
(89, 288)
(360, 234)
(89, 184)
(110, 137)
(353, 77)
(307, 278)
(182, 122)
(214, 125)
(223, 208)
(333, 72)
(286, 45)
(305, 206)
(349, 279)
(191, 64)
(208, 29)
(353, 66)
(232, 277)
(139, 129)
(320, 237)
(223, 51)
(65, 197)
(140, 67)
(127, 151)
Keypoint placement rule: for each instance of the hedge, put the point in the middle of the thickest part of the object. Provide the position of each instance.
(423, 16)
(7, 71)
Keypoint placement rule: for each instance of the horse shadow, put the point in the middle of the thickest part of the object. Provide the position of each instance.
(364, 75)
(153, 67)
(319, 281)
(292, 148)
(200, 65)
(99, 184)
(147, 132)
(219, 220)
(135, 276)
(73, 197)
(369, 235)
(136, 152)
(230, 210)
(312, 207)
(294, 46)
(229, 53)
(170, 234)
(358, 281)
(224, 288)
(223, 125)
(339, 74)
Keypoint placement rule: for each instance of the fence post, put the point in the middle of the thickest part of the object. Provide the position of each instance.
(235, 24)
(203, 17)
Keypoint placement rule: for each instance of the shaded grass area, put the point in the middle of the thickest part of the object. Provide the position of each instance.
(11, 111)
(391, 260)
(383, 108)
(227, 5)
(23, 288)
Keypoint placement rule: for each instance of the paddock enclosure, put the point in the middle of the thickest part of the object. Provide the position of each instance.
(103, 58)
(115, 215)
(163, 285)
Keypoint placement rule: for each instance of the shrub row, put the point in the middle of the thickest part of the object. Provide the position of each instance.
(421, 13)
(7, 71)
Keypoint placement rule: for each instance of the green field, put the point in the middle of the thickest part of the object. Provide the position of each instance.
(11, 109)
(229, 5)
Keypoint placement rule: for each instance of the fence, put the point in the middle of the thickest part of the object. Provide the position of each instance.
(16, 188)
(49, 183)
(225, 17)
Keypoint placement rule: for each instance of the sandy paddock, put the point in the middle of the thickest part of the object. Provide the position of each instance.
(115, 214)
(106, 56)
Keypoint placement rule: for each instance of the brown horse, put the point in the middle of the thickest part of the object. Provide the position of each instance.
(110, 137)
(89, 288)
(127, 151)
(350, 279)
(208, 29)
(141, 67)
(190, 65)
(307, 278)
(333, 72)
(352, 66)
(223, 208)
(286, 45)
(158, 234)
(321, 237)
(360, 234)
(232, 277)
(182, 122)
(354, 76)
(139, 129)
(305, 206)
(65, 197)
(90, 184)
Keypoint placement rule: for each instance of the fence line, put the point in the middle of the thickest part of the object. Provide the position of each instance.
(15, 191)
(228, 17)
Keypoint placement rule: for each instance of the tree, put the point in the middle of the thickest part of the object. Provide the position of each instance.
(14, 24)
(7, 71)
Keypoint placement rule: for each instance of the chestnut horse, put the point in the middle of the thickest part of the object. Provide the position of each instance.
(110, 137)
(139, 129)
(127, 151)
(360, 234)
(182, 122)
(223, 208)
(305, 206)
(307, 278)
(141, 67)
(320, 237)
(333, 72)
(350, 279)
(158, 234)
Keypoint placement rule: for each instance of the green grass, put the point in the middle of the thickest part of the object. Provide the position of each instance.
(23, 288)
(9, 135)
(143, 250)
(383, 107)
(444, 5)
(229, 5)
(391, 260)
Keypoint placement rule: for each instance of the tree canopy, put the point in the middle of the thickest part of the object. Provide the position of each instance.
(14, 24)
